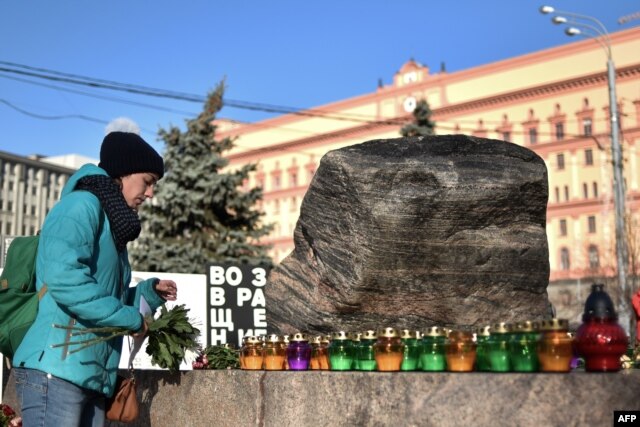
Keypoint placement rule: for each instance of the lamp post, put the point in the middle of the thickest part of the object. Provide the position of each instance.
(594, 29)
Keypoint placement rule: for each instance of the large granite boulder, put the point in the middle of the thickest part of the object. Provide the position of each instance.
(414, 232)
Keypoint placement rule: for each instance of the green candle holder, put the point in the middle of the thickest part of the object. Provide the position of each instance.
(365, 357)
(341, 352)
(483, 364)
(411, 342)
(499, 356)
(523, 347)
(432, 350)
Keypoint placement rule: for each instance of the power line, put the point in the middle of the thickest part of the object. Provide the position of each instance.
(43, 117)
(182, 96)
(107, 98)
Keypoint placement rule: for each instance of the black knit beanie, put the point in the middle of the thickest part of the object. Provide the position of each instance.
(124, 153)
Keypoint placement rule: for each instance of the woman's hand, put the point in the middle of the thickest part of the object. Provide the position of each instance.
(167, 290)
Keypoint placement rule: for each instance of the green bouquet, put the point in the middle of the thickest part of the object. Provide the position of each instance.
(169, 337)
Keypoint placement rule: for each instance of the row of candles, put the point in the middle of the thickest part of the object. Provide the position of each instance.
(523, 347)
(529, 346)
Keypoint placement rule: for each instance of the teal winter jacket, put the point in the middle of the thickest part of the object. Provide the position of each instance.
(87, 287)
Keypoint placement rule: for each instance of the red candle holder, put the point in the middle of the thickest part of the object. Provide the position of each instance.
(600, 340)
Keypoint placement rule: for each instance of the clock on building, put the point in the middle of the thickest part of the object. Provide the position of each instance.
(409, 104)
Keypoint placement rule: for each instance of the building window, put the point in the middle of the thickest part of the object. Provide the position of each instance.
(559, 131)
(506, 136)
(533, 136)
(595, 189)
(293, 180)
(276, 206)
(293, 206)
(588, 157)
(8, 228)
(563, 227)
(587, 129)
(585, 190)
(557, 191)
(33, 210)
(10, 185)
(594, 258)
(591, 220)
(565, 262)
(566, 193)
(276, 182)
(560, 161)
(10, 206)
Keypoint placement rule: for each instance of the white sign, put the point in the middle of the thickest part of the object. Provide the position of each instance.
(192, 290)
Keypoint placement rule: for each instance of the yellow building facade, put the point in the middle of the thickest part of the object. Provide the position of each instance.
(554, 102)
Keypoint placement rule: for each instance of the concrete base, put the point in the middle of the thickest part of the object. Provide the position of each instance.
(315, 398)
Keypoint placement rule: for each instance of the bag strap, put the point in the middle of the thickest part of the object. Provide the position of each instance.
(42, 291)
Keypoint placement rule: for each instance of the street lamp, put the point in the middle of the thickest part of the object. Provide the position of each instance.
(594, 29)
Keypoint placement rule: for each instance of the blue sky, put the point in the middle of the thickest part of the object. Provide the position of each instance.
(287, 53)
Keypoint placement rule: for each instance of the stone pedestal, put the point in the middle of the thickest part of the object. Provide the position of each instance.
(315, 398)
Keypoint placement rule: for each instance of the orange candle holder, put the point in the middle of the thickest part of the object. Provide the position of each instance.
(555, 346)
(460, 351)
(388, 350)
(284, 344)
(251, 353)
(319, 354)
(274, 353)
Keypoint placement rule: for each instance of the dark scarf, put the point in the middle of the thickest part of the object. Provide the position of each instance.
(125, 224)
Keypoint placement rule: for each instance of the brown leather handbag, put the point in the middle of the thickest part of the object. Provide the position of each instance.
(123, 405)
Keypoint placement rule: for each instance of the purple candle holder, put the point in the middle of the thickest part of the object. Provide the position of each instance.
(299, 353)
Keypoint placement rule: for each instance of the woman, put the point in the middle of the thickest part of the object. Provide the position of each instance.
(82, 260)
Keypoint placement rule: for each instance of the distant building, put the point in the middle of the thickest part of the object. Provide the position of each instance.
(73, 161)
(553, 101)
(29, 187)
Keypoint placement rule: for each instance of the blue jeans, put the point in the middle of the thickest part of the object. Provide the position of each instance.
(47, 401)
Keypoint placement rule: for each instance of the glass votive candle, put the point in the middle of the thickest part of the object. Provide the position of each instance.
(523, 347)
(388, 350)
(274, 353)
(341, 352)
(365, 357)
(285, 345)
(299, 352)
(555, 346)
(432, 354)
(499, 347)
(461, 351)
(319, 353)
(482, 350)
(251, 353)
(355, 340)
(411, 357)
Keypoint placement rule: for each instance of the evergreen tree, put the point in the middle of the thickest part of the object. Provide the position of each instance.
(199, 214)
(422, 124)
